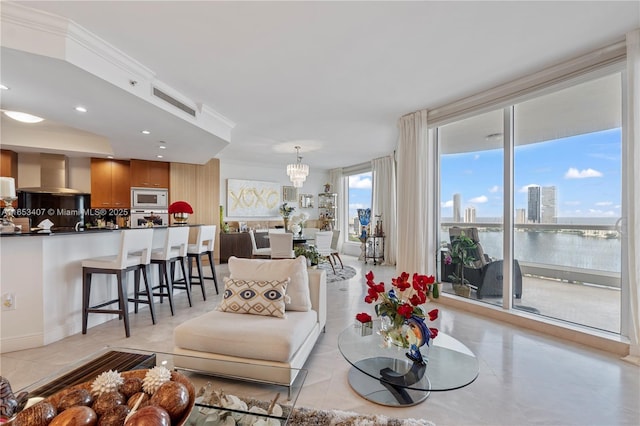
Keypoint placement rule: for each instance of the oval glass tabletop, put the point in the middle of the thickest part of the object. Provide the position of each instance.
(385, 375)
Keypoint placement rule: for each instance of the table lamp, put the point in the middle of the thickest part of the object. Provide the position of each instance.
(8, 196)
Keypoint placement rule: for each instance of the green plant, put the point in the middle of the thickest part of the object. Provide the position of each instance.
(461, 257)
(309, 252)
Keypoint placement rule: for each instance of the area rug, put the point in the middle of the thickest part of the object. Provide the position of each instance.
(308, 416)
(341, 273)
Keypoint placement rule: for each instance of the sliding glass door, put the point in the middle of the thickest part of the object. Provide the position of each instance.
(566, 198)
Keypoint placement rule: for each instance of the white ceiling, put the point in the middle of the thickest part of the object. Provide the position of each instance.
(332, 77)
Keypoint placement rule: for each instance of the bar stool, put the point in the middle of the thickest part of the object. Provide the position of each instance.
(131, 241)
(205, 240)
(174, 250)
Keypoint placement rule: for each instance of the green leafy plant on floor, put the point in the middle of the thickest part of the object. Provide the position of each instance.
(461, 257)
(310, 252)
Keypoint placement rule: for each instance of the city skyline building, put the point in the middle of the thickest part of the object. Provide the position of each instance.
(541, 204)
(457, 208)
(470, 215)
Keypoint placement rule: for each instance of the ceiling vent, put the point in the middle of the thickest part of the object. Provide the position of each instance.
(176, 103)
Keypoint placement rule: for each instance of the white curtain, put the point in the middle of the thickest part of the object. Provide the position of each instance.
(337, 185)
(632, 193)
(416, 186)
(384, 203)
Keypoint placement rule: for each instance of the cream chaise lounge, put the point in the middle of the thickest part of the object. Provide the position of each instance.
(217, 337)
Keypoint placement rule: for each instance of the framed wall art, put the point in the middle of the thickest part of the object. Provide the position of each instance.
(289, 194)
(251, 198)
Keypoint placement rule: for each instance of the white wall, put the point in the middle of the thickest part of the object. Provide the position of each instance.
(231, 170)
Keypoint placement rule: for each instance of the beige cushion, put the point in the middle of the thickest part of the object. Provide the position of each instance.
(246, 336)
(256, 297)
(295, 269)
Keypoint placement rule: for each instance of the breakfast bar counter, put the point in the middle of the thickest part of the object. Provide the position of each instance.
(41, 282)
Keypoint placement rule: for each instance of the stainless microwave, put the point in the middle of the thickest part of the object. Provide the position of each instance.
(149, 199)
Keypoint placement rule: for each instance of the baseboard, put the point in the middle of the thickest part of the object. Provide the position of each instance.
(12, 344)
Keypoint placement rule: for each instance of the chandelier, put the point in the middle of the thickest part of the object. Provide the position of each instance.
(298, 172)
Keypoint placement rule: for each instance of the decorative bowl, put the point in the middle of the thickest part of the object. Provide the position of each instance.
(175, 376)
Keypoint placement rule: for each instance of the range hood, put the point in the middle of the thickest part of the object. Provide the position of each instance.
(54, 176)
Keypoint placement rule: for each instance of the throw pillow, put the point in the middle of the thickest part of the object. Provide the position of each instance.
(295, 269)
(266, 297)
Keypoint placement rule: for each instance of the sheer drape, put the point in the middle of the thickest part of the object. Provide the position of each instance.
(632, 193)
(337, 185)
(416, 186)
(384, 203)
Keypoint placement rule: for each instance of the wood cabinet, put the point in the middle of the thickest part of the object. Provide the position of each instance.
(149, 174)
(9, 164)
(110, 187)
(236, 244)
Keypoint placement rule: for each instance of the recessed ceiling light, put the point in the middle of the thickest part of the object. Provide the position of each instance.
(80, 108)
(23, 117)
(3, 87)
(162, 147)
(159, 156)
(109, 156)
(146, 132)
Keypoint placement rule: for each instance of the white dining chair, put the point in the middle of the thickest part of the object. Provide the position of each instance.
(281, 244)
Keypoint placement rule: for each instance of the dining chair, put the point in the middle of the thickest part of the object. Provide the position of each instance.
(281, 244)
(335, 253)
(255, 251)
(323, 245)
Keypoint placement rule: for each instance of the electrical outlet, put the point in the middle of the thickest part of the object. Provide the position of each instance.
(8, 302)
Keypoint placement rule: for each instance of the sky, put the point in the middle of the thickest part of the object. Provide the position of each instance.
(585, 169)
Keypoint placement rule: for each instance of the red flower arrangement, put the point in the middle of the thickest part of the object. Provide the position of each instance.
(180, 207)
(402, 303)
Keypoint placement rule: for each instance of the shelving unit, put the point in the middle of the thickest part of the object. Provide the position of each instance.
(327, 210)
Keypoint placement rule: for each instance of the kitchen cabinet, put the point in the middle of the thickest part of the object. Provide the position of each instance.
(110, 187)
(149, 174)
(9, 164)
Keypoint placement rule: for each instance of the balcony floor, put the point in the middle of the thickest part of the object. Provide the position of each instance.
(592, 306)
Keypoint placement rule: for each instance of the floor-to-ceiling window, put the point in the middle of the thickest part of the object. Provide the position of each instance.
(359, 198)
(565, 193)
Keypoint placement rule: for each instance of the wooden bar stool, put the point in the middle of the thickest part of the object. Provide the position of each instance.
(134, 255)
(204, 243)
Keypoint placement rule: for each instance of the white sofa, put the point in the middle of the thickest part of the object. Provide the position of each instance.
(240, 345)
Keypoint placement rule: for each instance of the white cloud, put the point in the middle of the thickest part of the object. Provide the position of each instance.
(477, 156)
(354, 206)
(480, 199)
(574, 173)
(596, 212)
(494, 188)
(604, 203)
(358, 183)
(448, 203)
(525, 188)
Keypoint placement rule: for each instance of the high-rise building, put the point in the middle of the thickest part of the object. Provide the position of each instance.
(457, 216)
(521, 216)
(470, 215)
(548, 213)
(541, 207)
(533, 205)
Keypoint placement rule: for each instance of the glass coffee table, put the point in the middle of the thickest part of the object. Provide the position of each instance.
(254, 393)
(386, 376)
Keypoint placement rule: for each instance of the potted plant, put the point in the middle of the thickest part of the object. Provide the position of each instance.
(310, 252)
(460, 256)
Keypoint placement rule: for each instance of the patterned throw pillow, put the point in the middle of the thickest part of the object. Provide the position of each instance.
(254, 297)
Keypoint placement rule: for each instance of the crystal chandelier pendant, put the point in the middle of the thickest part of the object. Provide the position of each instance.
(298, 172)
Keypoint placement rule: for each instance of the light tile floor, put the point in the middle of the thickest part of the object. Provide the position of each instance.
(526, 378)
